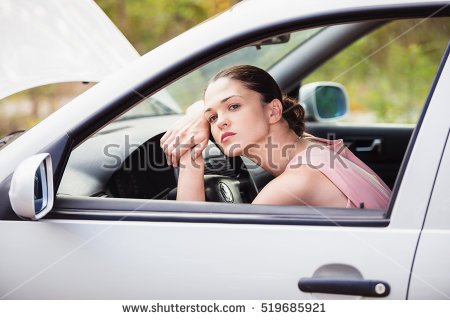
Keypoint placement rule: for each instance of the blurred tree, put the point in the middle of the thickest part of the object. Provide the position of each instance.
(389, 72)
(148, 23)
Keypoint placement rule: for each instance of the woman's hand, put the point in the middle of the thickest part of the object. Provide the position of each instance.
(190, 132)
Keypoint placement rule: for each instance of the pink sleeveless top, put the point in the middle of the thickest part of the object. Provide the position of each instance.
(362, 186)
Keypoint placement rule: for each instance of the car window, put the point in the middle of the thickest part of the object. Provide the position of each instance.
(107, 148)
(387, 73)
(148, 108)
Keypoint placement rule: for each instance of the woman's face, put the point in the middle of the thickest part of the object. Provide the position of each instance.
(237, 117)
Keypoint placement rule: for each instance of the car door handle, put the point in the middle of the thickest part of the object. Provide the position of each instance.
(376, 143)
(366, 288)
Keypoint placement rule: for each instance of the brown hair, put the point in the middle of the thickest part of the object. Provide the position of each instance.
(259, 80)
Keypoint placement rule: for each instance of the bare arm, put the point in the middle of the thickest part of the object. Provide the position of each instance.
(288, 189)
(191, 185)
(183, 145)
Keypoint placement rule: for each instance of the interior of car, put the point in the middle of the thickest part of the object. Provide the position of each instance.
(124, 158)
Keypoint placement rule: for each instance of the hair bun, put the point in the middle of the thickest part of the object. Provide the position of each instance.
(294, 114)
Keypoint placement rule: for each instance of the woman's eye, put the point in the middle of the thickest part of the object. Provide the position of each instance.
(233, 106)
(212, 118)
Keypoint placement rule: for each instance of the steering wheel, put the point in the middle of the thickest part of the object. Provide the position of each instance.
(219, 188)
(222, 189)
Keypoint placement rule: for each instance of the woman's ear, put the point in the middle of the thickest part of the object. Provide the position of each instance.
(275, 111)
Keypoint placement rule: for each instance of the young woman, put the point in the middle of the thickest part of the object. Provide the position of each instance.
(247, 115)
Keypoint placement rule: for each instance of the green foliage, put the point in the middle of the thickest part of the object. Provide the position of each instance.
(388, 73)
(148, 23)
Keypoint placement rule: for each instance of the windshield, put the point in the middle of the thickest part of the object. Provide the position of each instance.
(148, 108)
(10, 137)
(190, 88)
(159, 104)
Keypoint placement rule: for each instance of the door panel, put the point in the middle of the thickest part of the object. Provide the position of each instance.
(160, 260)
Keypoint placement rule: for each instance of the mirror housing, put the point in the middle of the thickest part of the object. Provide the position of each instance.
(31, 191)
(324, 101)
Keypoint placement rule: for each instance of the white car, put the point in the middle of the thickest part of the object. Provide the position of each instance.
(85, 195)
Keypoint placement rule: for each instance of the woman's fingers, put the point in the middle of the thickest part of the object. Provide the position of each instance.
(179, 125)
(185, 134)
(195, 142)
(171, 147)
(164, 138)
(180, 142)
(198, 149)
(172, 137)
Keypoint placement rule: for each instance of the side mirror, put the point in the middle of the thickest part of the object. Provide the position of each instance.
(31, 192)
(324, 101)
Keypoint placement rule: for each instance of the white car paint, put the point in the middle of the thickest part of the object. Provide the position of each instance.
(430, 278)
(194, 261)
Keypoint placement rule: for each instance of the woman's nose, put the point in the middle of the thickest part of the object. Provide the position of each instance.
(223, 121)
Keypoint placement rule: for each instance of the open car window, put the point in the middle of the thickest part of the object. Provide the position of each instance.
(124, 159)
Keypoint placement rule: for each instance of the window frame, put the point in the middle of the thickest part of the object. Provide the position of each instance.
(126, 209)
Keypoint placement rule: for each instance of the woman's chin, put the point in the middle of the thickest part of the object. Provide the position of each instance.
(231, 150)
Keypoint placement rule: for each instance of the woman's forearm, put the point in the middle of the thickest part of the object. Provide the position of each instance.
(191, 185)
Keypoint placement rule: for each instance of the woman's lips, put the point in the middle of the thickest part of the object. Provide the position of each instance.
(226, 136)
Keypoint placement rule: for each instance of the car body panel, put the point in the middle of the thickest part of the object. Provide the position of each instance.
(430, 279)
(85, 44)
(156, 260)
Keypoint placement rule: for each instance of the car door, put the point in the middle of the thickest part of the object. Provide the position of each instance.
(111, 248)
(133, 249)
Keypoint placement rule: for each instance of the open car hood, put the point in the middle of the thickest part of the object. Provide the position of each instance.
(52, 41)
